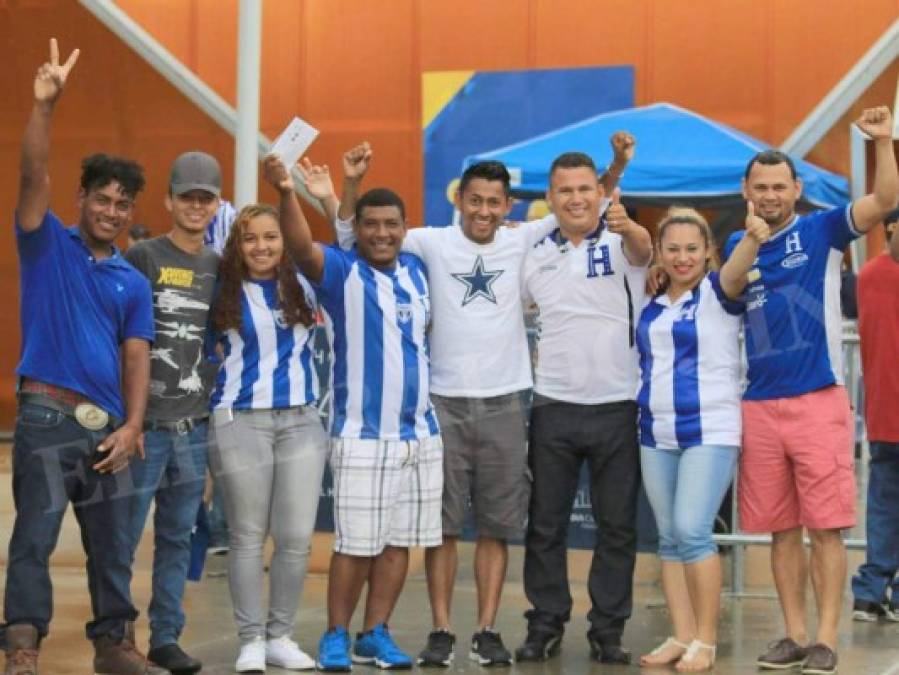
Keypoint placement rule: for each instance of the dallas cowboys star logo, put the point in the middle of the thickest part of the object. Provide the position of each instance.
(478, 282)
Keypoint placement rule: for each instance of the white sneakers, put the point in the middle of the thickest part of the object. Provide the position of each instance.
(252, 657)
(282, 652)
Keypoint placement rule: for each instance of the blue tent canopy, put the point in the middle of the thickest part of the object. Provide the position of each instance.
(681, 157)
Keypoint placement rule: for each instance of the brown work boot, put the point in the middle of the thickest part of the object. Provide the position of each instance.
(21, 649)
(122, 658)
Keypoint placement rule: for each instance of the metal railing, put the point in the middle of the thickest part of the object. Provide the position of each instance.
(738, 541)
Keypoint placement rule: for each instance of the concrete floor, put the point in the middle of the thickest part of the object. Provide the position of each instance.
(746, 624)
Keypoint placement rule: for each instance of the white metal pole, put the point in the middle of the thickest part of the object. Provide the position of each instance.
(249, 47)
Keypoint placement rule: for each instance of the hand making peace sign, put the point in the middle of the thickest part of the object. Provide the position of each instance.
(51, 77)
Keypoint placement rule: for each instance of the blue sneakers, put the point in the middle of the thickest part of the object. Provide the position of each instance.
(378, 648)
(334, 651)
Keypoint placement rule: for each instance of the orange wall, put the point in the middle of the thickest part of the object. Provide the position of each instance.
(353, 69)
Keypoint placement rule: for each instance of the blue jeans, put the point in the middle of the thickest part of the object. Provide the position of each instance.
(50, 469)
(174, 474)
(882, 527)
(685, 489)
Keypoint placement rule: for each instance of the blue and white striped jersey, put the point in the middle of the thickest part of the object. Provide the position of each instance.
(220, 226)
(266, 363)
(690, 368)
(376, 323)
(793, 320)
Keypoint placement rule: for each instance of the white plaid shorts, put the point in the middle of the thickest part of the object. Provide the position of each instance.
(386, 493)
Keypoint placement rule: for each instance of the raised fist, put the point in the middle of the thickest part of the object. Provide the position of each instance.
(356, 161)
(623, 144)
(876, 122)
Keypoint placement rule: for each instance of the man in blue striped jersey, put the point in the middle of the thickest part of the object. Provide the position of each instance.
(386, 453)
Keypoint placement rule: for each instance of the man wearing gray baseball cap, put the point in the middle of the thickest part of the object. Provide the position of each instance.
(182, 273)
(196, 171)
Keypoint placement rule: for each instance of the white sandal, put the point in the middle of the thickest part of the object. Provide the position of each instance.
(669, 642)
(692, 652)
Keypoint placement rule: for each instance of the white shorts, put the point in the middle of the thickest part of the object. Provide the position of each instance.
(386, 493)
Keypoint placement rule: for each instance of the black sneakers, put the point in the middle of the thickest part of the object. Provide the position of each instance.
(439, 650)
(487, 649)
(172, 658)
(539, 645)
(865, 610)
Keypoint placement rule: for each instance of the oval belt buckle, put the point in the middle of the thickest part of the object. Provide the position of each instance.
(91, 416)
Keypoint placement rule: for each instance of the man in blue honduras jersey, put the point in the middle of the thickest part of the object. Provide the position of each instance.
(386, 452)
(796, 464)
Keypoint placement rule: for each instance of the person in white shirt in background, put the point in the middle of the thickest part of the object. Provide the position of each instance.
(480, 373)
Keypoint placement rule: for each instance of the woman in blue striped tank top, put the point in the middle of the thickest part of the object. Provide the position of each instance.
(268, 447)
(689, 403)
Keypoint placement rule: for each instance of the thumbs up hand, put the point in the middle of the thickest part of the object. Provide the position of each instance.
(756, 228)
(616, 215)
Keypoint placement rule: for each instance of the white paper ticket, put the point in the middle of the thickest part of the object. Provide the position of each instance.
(294, 141)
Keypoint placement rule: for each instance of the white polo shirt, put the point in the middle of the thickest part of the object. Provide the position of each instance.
(478, 340)
(588, 298)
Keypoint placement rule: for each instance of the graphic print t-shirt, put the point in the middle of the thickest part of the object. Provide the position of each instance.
(183, 285)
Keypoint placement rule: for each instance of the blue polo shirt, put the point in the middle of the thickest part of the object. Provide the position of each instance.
(76, 311)
(792, 322)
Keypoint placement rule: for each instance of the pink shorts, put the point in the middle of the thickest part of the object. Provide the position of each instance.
(796, 467)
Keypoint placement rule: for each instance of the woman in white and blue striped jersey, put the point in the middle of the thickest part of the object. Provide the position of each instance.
(689, 401)
(269, 447)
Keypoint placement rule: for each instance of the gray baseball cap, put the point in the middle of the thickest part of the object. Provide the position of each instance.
(196, 171)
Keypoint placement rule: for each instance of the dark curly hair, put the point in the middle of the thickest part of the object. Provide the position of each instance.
(226, 310)
(99, 170)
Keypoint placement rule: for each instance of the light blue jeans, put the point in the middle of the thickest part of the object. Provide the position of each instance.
(173, 474)
(685, 489)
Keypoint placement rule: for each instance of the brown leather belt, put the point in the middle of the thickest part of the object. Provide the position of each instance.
(58, 394)
(68, 402)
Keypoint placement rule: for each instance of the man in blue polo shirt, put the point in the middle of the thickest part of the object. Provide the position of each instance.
(81, 304)
(796, 464)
